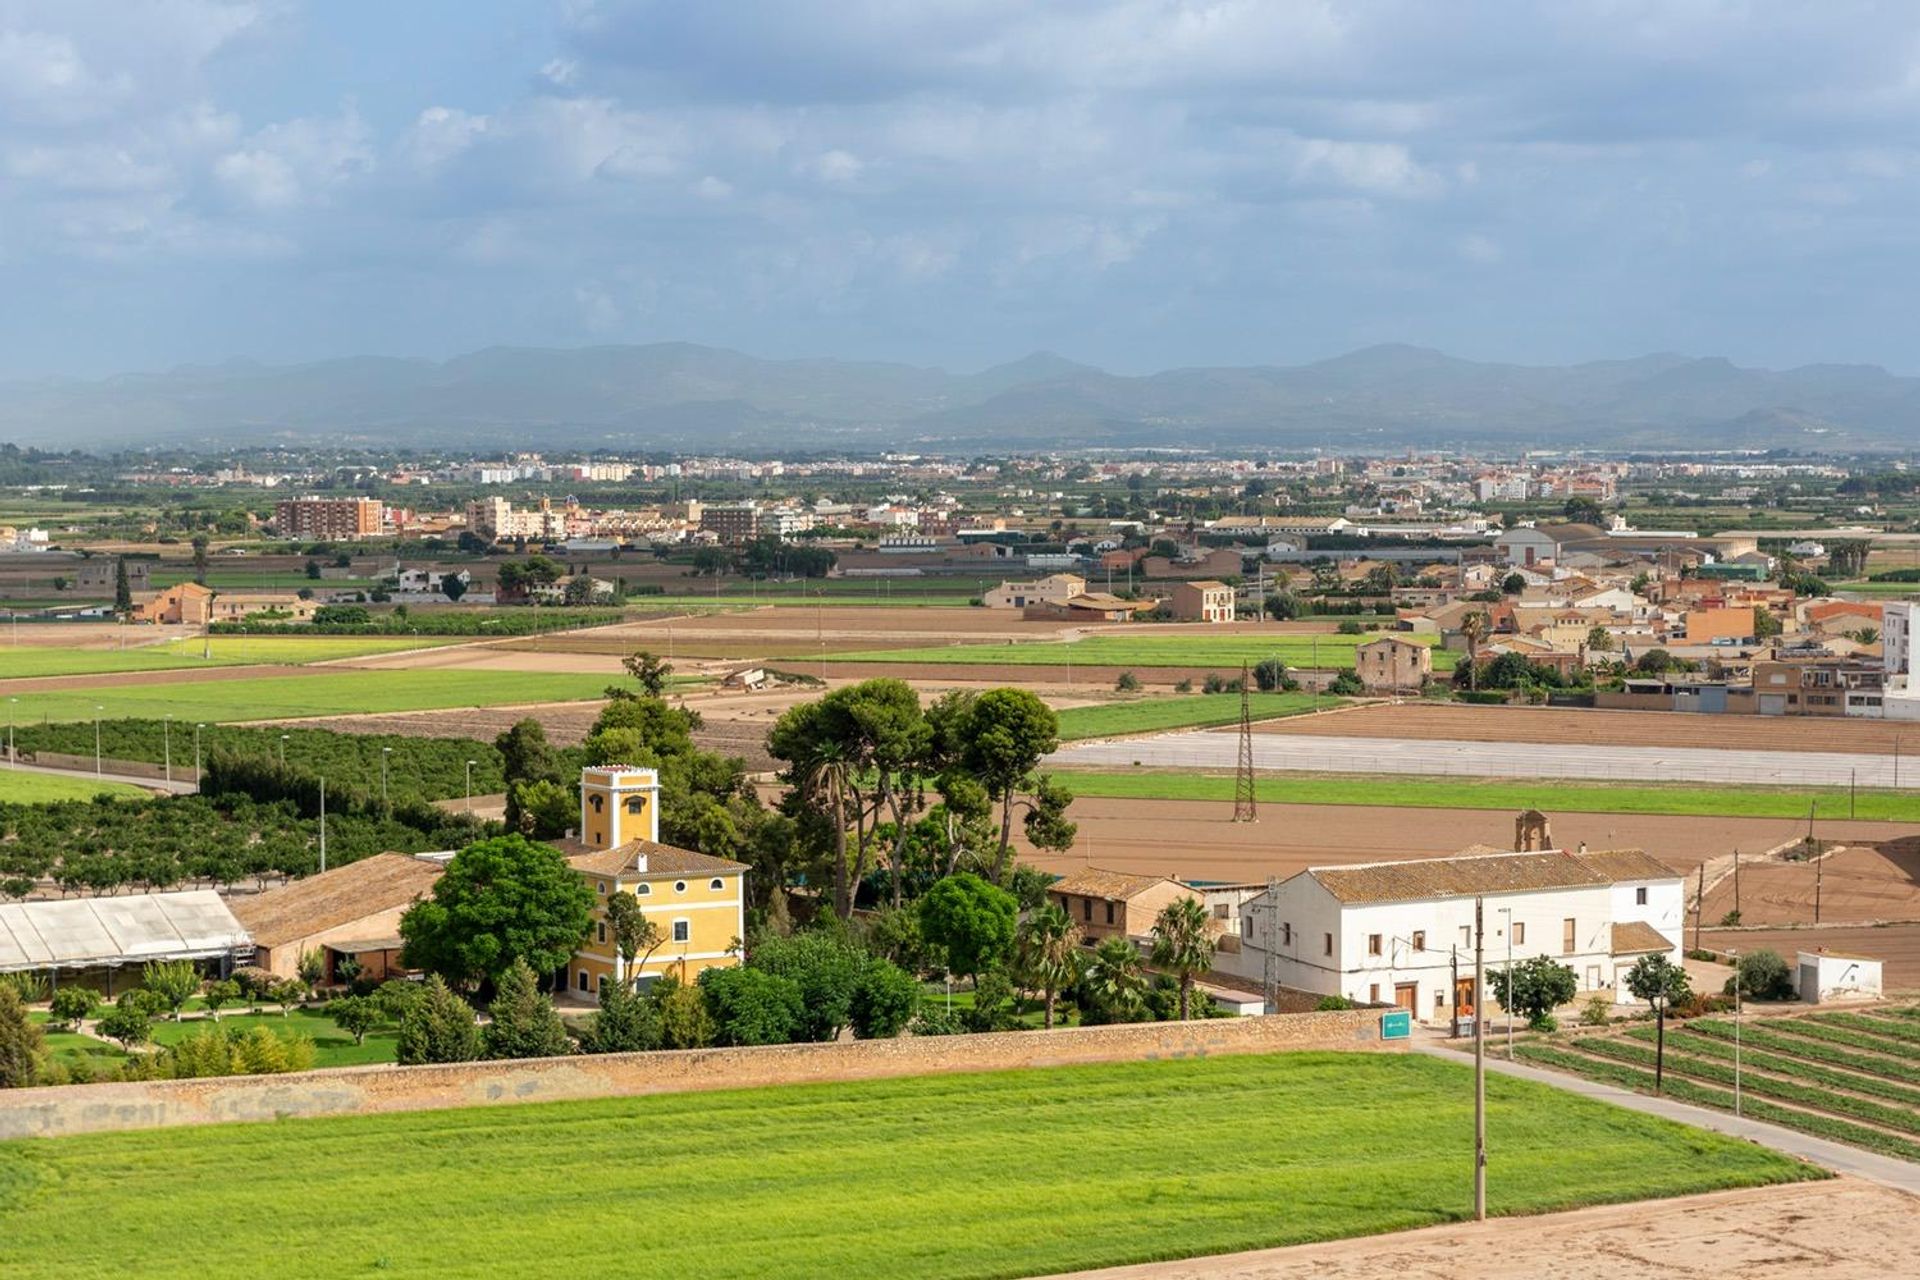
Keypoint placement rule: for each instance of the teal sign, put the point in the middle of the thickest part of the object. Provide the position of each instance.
(1397, 1025)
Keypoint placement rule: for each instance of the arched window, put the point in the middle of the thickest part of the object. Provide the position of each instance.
(636, 804)
(597, 802)
(716, 884)
(642, 891)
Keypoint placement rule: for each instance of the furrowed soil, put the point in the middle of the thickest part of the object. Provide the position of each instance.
(1554, 725)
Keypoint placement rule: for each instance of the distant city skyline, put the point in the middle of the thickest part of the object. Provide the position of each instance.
(1137, 184)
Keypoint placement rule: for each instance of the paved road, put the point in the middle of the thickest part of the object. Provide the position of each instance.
(1331, 754)
(177, 786)
(1901, 1175)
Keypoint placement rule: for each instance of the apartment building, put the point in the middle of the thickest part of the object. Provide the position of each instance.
(330, 519)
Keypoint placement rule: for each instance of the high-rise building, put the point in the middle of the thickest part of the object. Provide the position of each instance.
(330, 519)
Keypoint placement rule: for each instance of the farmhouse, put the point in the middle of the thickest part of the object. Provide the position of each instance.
(697, 901)
(1202, 601)
(347, 911)
(186, 603)
(1389, 665)
(1115, 904)
(1402, 932)
(1056, 588)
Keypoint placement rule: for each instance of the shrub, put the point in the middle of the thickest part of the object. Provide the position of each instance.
(1350, 627)
(1332, 1004)
(72, 1005)
(934, 1020)
(438, 1028)
(884, 1001)
(1127, 683)
(1597, 1012)
(1185, 686)
(355, 1015)
(1762, 975)
(129, 1024)
(752, 1006)
(681, 1014)
(1270, 675)
(20, 1041)
(1346, 685)
(825, 969)
(625, 1022)
(524, 1023)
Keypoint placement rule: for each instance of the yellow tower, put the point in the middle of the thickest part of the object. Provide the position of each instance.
(618, 804)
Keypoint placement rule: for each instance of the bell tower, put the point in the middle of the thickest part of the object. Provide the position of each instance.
(618, 804)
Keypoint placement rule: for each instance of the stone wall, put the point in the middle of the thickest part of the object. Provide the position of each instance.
(95, 1108)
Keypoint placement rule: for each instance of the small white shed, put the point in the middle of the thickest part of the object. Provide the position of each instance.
(1831, 975)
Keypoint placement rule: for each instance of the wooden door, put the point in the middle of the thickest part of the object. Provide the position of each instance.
(1463, 998)
(1406, 995)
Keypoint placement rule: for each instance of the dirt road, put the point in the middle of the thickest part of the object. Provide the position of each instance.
(1838, 1230)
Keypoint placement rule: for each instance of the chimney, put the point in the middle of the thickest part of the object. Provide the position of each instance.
(640, 863)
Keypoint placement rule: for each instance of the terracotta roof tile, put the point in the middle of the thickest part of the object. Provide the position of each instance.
(1637, 938)
(333, 898)
(1095, 882)
(661, 860)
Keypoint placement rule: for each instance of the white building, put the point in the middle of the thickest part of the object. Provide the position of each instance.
(1402, 932)
(1900, 697)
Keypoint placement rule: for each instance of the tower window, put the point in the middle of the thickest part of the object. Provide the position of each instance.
(636, 804)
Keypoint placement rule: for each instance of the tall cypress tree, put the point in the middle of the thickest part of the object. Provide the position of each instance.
(122, 590)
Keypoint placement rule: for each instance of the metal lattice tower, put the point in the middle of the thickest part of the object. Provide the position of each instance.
(1245, 807)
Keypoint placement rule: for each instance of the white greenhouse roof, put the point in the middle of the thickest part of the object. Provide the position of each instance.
(78, 932)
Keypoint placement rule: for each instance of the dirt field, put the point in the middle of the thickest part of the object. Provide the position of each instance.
(1897, 944)
(1843, 1229)
(1611, 728)
(1199, 840)
(1867, 882)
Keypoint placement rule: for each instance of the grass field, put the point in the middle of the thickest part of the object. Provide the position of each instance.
(1201, 711)
(1181, 647)
(214, 651)
(45, 788)
(1878, 805)
(332, 1047)
(328, 694)
(950, 1175)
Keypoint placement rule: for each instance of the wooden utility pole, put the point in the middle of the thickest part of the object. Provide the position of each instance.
(1479, 1073)
(1736, 882)
(1699, 904)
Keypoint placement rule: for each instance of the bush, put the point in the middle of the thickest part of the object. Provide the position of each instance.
(72, 1005)
(128, 1024)
(440, 1027)
(934, 1020)
(1350, 627)
(524, 1023)
(884, 1001)
(20, 1041)
(1270, 675)
(1346, 685)
(1762, 975)
(752, 1006)
(681, 1014)
(1333, 1004)
(1597, 1012)
(625, 1023)
(824, 968)
(1127, 683)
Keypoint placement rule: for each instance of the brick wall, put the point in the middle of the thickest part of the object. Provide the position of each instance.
(96, 1108)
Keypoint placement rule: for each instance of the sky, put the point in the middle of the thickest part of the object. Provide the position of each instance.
(1139, 184)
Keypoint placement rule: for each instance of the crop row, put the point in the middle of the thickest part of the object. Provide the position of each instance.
(1765, 1037)
(1761, 1060)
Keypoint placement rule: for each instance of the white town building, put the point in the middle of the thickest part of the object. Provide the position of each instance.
(1402, 932)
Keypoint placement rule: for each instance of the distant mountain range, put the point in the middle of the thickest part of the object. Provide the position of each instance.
(680, 396)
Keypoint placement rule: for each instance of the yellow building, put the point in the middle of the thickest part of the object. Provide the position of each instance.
(697, 900)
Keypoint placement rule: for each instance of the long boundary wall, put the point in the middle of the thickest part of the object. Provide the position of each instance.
(97, 1108)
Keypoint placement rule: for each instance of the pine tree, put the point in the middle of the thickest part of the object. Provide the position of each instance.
(20, 1041)
(438, 1028)
(626, 1022)
(525, 1024)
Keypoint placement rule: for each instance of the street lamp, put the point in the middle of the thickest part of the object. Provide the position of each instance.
(1735, 957)
(469, 788)
(384, 753)
(196, 753)
(166, 729)
(96, 740)
(283, 749)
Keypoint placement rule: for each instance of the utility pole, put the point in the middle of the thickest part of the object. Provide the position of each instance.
(1735, 957)
(1819, 871)
(1699, 902)
(1453, 999)
(1479, 1072)
(323, 824)
(1736, 882)
(1246, 806)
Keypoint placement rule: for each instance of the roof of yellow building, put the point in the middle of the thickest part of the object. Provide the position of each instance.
(644, 860)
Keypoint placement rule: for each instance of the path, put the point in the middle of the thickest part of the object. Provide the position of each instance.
(1329, 754)
(1901, 1175)
(1841, 1229)
(178, 786)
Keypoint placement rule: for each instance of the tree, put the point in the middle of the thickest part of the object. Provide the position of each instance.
(525, 753)
(1474, 628)
(1380, 580)
(311, 968)
(355, 1015)
(650, 670)
(524, 1022)
(824, 968)
(1534, 988)
(1183, 945)
(624, 1023)
(1127, 682)
(287, 994)
(1766, 624)
(1584, 511)
(635, 935)
(219, 994)
(1114, 985)
(972, 919)
(438, 1028)
(540, 808)
(499, 901)
(1513, 584)
(680, 1011)
(174, 981)
(313, 570)
(72, 1005)
(1283, 606)
(884, 1001)
(127, 1023)
(453, 586)
(751, 1006)
(1008, 732)
(200, 558)
(1270, 675)
(1661, 983)
(1046, 947)
(122, 589)
(1599, 640)
(21, 1041)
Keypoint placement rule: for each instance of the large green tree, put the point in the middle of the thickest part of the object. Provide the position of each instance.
(752, 1006)
(999, 737)
(502, 900)
(20, 1041)
(523, 1022)
(438, 1027)
(972, 919)
(1534, 988)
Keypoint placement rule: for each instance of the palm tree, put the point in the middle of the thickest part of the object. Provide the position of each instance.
(1473, 629)
(1045, 949)
(1116, 981)
(1183, 945)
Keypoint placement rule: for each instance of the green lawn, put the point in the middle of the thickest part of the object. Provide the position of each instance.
(332, 1047)
(1877, 805)
(346, 692)
(214, 651)
(1145, 715)
(44, 788)
(1889, 590)
(1181, 647)
(1001, 1174)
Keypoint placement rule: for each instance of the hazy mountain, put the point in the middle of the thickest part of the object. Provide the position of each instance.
(680, 395)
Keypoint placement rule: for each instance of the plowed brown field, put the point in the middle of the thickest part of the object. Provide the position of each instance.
(1897, 945)
(1861, 882)
(1454, 722)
